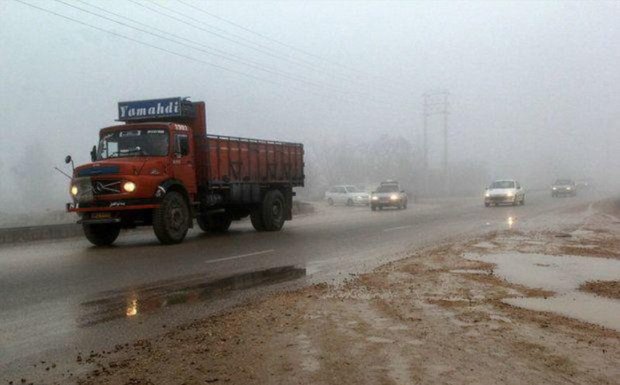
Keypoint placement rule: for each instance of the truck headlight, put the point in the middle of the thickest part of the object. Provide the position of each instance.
(555, 188)
(487, 195)
(129, 186)
(394, 197)
(510, 194)
(375, 198)
(74, 190)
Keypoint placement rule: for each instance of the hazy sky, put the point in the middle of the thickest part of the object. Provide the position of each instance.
(534, 86)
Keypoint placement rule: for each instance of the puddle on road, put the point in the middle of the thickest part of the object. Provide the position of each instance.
(563, 275)
(192, 289)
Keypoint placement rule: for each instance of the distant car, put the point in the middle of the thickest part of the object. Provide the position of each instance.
(563, 187)
(388, 194)
(348, 195)
(507, 191)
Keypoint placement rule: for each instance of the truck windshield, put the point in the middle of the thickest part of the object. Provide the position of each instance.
(128, 143)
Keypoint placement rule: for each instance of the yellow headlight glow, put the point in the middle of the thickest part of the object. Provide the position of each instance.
(74, 190)
(129, 186)
(394, 197)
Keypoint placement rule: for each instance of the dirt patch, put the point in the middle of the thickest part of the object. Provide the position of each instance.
(609, 289)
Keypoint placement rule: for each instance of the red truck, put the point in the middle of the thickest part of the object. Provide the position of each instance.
(160, 168)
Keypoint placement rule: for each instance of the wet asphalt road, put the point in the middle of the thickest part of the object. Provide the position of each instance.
(63, 297)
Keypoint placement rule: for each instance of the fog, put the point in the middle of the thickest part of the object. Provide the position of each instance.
(533, 87)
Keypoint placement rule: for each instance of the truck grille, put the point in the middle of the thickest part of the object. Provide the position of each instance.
(103, 187)
(88, 188)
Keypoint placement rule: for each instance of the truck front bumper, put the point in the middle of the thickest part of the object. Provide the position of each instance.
(129, 213)
(107, 206)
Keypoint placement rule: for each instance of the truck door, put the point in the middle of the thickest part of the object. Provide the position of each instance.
(183, 164)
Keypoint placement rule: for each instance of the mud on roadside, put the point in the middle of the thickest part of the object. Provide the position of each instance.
(434, 317)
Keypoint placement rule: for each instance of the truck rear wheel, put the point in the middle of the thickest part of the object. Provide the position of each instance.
(171, 219)
(215, 223)
(101, 234)
(256, 217)
(272, 210)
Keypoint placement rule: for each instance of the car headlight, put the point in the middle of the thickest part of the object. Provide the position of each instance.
(510, 194)
(568, 188)
(74, 190)
(555, 188)
(393, 197)
(129, 186)
(487, 195)
(375, 198)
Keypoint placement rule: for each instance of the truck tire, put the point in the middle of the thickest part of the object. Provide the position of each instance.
(101, 234)
(273, 211)
(214, 223)
(171, 219)
(256, 217)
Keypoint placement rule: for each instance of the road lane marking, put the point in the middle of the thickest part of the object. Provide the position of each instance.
(397, 228)
(240, 256)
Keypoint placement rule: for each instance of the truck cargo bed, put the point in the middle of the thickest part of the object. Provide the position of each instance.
(227, 159)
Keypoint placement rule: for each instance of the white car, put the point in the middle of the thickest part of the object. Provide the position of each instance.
(507, 191)
(348, 195)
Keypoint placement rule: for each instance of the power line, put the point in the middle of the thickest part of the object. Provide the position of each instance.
(167, 50)
(289, 46)
(244, 42)
(225, 56)
(262, 49)
(145, 43)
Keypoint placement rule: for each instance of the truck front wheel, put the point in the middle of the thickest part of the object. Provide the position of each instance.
(101, 234)
(273, 211)
(171, 219)
(215, 223)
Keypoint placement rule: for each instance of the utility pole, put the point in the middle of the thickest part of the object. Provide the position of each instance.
(436, 103)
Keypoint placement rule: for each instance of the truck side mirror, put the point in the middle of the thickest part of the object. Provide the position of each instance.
(68, 159)
(93, 154)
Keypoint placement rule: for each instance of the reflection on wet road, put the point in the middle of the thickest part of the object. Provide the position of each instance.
(191, 289)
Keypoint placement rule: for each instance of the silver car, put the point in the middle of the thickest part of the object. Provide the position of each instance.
(504, 192)
(388, 194)
(563, 187)
(348, 195)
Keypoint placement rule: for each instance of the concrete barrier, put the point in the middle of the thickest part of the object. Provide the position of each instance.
(37, 233)
(60, 231)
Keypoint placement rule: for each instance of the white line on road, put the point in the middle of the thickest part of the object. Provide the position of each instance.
(397, 228)
(240, 256)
